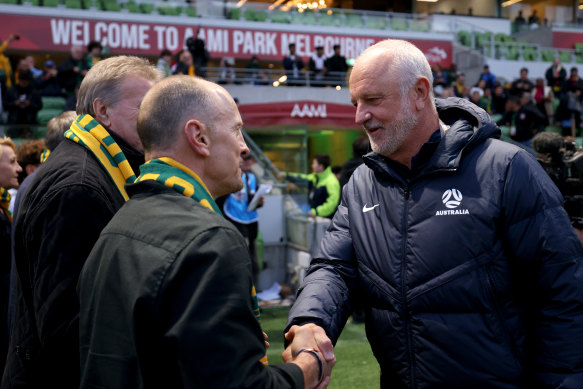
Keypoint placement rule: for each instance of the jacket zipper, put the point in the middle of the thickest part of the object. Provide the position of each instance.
(403, 288)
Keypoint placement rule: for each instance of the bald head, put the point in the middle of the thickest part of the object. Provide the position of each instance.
(171, 103)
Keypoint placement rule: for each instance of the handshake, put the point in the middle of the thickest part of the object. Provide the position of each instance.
(312, 351)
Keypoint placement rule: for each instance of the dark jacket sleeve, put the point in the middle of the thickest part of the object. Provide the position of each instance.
(550, 260)
(324, 296)
(64, 243)
(207, 295)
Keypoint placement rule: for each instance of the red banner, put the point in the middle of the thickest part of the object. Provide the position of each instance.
(298, 112)
(48, 33)
(566, 40)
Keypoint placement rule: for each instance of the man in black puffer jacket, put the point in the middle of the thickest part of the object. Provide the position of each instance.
(456, 244)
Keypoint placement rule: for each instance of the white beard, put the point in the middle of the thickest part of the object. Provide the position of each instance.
(396, 132)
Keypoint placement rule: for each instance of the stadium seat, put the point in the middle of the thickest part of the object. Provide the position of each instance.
(51, 3)
(169, 10)
(190, 11)
(235, 13)
(133, 7)
(280, 17)
(330, 20)
(50, 102)
(419, 25)
(529, 53)
(565, 56)
(399, 24)
(511, 52)
(465, 37)
(147, 8)
(44, 115)
(375, 22)
(354, 21)
(548, 55)
(307, 17)
(9, 2)
(74, 4)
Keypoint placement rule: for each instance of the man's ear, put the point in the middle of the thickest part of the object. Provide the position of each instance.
(101, 114)
(421, 92)
(197, 136)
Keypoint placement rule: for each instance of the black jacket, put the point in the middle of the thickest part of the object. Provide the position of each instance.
(61, 215)
(469, 271)
(166, 301)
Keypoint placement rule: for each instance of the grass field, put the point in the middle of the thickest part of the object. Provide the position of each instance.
(356, 367)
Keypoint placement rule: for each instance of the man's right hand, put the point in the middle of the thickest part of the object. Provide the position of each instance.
(310, 336)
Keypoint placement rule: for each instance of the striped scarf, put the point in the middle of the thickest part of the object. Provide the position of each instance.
(175, 175)
(45, 154)
(5, 203)
(93, 136)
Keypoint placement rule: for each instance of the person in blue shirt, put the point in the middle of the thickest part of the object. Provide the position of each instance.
(235, 210)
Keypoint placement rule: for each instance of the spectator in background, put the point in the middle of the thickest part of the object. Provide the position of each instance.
(488, 77)
(49, 83)
(94, 49)
(71, 101)
(185, 65)
(528, 121)
(23, 101)
(164, 62)
(254, 73)
(574, 82)
(568, 114)
(28, 155)
(72, 70)
(324, 187)
(317, 67)
(533, 19)
(293, 66)
(227, 71)
(543, 98)
(5, 66)
(236, 211)
(360, 146)
(521, 84)
(459, 85)
(476, 95)
(9, 171)
(439, 76)
(519, 22)
(337, 67)
(200, 55)
(36, 73)
(556, 75)
(499, 98)
(23, 66)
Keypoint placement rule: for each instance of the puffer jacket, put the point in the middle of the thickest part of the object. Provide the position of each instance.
(468, 269)
(324, 191)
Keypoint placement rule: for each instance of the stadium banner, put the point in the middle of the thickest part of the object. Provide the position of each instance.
(58, 34)
(298, 112)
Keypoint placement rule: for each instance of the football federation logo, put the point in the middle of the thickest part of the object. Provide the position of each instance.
(452, 198)
(447, 198)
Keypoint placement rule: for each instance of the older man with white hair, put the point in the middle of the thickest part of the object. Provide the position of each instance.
(456, 244)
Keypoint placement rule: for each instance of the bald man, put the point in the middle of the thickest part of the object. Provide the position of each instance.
(455, 244)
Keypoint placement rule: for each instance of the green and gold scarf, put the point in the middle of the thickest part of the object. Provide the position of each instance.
(44, 155)
(175, 175)
(5, 203)
(93, 136)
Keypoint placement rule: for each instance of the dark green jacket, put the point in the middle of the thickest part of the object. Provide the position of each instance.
(165, 301)
(324, 193)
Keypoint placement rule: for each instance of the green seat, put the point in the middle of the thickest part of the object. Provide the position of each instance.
(112, 7)
(375, 22)
(354, 21)
(280, 17)
(235, 13)
(44, 115)
(330, 20)
(547, 55)
(190, 11)
(529, 54)
(132, 7)
(249, 14)
(169, 10)
(50, 102)
(74, 4)
(51, 3)
(399, 24)
(147, 8)
(511, 52)
(565, 56)
(308, 17)
(9, 2)
(419, 25)
(465, 37)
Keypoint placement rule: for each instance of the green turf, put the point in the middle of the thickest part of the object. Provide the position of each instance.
(356, 367)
